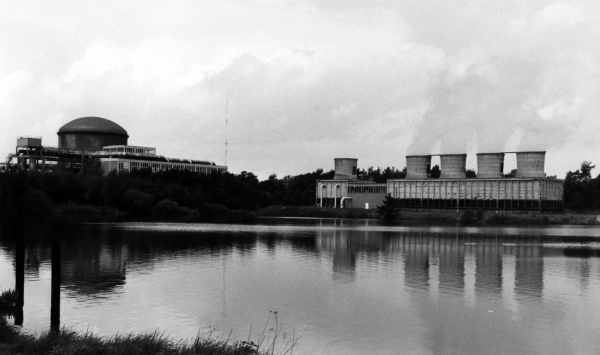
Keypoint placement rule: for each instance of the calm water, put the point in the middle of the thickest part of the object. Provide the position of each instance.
(333, 287)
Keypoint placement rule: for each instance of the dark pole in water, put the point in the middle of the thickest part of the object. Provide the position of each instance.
(55, 288)
(20, 273)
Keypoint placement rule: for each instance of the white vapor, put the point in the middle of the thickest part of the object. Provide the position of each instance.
(305, 81)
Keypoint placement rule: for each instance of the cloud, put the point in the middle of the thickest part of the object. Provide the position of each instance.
(304, 81)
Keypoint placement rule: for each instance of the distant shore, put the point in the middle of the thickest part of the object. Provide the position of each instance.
(83, 214)
(442, 216)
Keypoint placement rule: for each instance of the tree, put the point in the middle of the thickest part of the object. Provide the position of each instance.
(435, 172)
(586, 170)
(388, 211)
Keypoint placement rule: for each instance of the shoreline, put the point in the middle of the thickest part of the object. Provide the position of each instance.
(444, 217)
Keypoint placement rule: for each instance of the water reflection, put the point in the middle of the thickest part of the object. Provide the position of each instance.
(529, 271)
(488, 269)
(360, 290)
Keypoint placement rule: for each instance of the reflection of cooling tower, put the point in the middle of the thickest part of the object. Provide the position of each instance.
(490, 165)
(530, 164)
(345, 168)
(417, 166)
(453, 166)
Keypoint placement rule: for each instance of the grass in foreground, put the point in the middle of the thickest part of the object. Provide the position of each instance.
(66, 342)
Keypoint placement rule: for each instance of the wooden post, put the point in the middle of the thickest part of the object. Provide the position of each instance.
(20, 273)
(55, 288)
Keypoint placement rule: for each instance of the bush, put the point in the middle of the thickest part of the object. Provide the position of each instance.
(77, 213)
(37, 204)
(388, 211)
(168, 210)
(137, 203)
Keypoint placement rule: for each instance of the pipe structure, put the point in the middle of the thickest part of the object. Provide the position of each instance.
(342, 200)
(345, 168)
(531, 164)
(453, 166)
(417, 166)
(490, 165)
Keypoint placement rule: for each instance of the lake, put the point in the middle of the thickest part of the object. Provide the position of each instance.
(323, 286)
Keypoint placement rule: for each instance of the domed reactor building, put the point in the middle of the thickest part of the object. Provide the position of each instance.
(88, 142)
(91, 134)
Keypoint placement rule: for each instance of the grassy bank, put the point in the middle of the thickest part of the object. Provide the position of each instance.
(64, 342)
(13, 341)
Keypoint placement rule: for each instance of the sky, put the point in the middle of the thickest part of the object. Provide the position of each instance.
(301, 82)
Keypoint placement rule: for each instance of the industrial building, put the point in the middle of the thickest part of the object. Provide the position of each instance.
(528, 189)
(89, 142)
(345, 190)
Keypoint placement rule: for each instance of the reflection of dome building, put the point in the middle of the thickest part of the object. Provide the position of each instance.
(91, 134)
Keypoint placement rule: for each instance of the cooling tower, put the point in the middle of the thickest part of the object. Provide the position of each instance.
(453, 166)
(417, 166)
(530, 164)
(345, 168)
(490, 165)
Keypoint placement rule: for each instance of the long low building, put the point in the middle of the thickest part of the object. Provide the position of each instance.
(89, 141)
(502, 194)
(528, 189)
(128, 158)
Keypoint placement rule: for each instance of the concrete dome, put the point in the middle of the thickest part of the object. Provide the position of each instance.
(93, 124)
(91, 134)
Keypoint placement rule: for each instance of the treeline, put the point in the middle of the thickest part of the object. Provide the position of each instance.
(184, 196)
(581, 190)
(142, 195)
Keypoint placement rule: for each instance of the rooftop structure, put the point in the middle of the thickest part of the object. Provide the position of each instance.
(531, 164)
(453, 166)
(345, 168)
(417, 166)
(490, 165)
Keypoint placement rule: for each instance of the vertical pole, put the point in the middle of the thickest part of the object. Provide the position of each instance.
(55, 288)
(20, 273)
(335, 200)
(497, 195)
(321, 195)
(540, 194)
(457, 195)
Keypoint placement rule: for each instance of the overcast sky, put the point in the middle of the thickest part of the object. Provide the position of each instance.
(304, 81)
